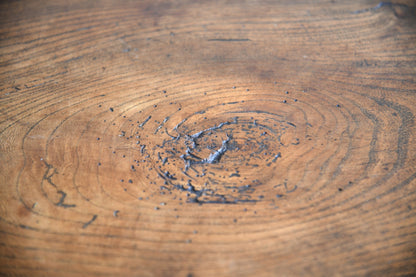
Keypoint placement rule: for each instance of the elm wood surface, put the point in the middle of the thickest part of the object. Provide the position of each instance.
(231, 175)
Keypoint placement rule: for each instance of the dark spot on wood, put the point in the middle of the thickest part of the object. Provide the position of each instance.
(89, 222)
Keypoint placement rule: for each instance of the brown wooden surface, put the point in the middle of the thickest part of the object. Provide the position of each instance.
(318, 181)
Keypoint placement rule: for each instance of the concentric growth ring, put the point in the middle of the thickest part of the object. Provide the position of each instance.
(210, 150)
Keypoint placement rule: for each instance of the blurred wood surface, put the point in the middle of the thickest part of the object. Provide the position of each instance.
(207, 138)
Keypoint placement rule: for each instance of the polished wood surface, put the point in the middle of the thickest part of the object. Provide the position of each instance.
(207, 138)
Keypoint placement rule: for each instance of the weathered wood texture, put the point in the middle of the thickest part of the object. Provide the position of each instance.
(210, 138)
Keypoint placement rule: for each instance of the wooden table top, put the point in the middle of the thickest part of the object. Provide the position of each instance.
(207, 138)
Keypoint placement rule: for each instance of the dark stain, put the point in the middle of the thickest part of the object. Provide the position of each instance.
(49, 173)
(47, 176)
(26, 227)
(73, 59)
(145, 121)
(23, 211)
(400, 10)
(89, 222)
(156, 10)
(61, 201)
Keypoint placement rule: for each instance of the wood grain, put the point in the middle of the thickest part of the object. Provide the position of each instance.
(207, 138)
